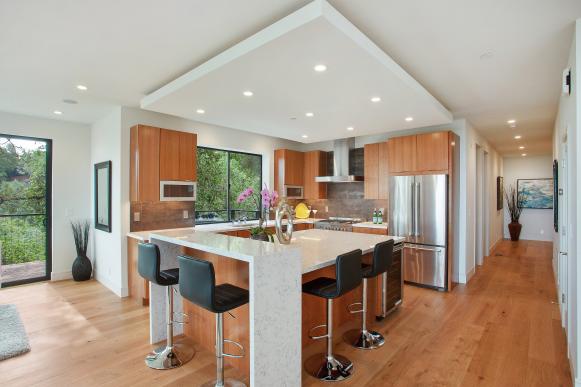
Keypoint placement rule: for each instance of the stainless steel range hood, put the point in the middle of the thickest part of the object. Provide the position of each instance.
(341, 163)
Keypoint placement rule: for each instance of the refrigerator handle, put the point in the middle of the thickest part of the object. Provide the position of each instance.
(417, 209)
(413, 201)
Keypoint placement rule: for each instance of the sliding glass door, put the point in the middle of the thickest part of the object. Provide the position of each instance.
(25, 217)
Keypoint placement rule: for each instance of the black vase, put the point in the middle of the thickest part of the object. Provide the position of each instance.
(82, 268)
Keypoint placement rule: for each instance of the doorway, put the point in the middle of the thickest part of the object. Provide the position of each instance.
(563, 260)
(25, 209)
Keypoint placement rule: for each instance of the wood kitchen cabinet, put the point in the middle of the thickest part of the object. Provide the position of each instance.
(177, 155)
(144, 163)
(419, 154)
(370, 230)
(315, 165)
(289, 169)
(375, 164)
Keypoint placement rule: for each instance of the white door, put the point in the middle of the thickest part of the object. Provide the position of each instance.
(563, 234)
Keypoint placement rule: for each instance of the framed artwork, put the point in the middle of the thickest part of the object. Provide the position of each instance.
(499, 193)
(103, 196)
(536, 193)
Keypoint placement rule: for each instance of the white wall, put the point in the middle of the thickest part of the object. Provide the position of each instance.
(567, 127)
(71, 179)
(106, 145)
(537, 224)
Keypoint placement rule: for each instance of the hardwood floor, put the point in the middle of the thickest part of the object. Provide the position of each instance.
(503, 329)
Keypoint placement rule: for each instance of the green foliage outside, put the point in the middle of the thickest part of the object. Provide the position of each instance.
(22, 191)
(214, 199)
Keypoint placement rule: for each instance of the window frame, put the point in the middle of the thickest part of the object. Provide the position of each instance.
(228, 209)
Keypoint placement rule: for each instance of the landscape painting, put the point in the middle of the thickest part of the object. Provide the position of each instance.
(536, 193)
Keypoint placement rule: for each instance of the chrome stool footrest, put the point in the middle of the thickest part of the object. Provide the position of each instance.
(312, 337)
(350, 310)
(236, 344)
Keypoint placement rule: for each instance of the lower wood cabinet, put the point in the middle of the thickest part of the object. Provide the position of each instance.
(370, 230)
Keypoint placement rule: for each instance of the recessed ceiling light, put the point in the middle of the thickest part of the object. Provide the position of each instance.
(248, 93)
(517, 137)
(523, 155)
(350, 128)
(82, 87)
(304, 136)
(70, 101)
(521, 147)
(58, 112)
(309, 114)
(200, 111)
(488, 54)
(511, 122)
(375, 99)
(409, 119)
(320, 68)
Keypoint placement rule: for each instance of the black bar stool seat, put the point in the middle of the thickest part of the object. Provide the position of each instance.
(382, 259)
(148, 264)
(331, 367)
(198, 285)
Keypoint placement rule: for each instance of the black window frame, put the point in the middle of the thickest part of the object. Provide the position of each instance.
(228, 210)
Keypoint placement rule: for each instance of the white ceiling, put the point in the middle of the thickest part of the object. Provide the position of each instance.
(125, 50)
(277, 65)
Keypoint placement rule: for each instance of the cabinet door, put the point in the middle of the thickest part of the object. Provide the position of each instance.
(371, 171)
(401, 154)
(144, 163)
(383, 171)
(314, 166)
(187, 156)
(169, 155)
(294, 168)
(432, 152)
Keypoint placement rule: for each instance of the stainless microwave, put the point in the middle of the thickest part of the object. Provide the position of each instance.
(293, 192)
(177, 191)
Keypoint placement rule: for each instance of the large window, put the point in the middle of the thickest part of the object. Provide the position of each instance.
(222, 175)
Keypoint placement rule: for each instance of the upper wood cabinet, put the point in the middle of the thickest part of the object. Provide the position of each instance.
(289, 169)
(375, 164)
(402, 154)
(419, 154)
(144, 164)
(432, 151)
(159, 154)
(177, 155)
(315, 165)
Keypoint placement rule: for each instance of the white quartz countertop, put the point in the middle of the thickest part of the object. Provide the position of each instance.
(319, 248)
(371, 225)
(143, 236)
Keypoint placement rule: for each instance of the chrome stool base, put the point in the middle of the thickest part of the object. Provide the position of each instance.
(329, 369)
(166, 358)
(227, 383)
(364, 340)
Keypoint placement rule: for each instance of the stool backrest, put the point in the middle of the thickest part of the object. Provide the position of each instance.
(382, 258)
(148, 262)
(197, 281)
(348, 271)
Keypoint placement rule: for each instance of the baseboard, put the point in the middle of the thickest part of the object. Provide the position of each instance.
(61, 276)
(470, 274)
(118, 290)
(494, 246)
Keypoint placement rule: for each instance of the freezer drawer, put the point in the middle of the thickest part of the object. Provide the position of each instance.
(425, 265)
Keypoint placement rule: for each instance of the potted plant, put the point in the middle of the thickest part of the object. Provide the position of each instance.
(514, 202)
(82, 267)
(264, 200)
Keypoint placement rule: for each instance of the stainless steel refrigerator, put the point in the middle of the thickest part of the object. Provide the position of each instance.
(419, 212)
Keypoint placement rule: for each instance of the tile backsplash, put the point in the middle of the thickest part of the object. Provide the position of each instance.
(345, 199)
(161, 215)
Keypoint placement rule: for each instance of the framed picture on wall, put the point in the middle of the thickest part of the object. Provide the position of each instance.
(499, 193)
(536, 193)
(103, 196)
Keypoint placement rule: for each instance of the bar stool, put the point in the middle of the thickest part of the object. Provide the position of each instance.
(148, 264)
(198, 285)
(333, 367)
(382, 259)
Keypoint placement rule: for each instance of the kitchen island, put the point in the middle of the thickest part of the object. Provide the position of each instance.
(273, 326)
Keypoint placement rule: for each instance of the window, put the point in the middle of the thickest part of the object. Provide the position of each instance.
(222, 175)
